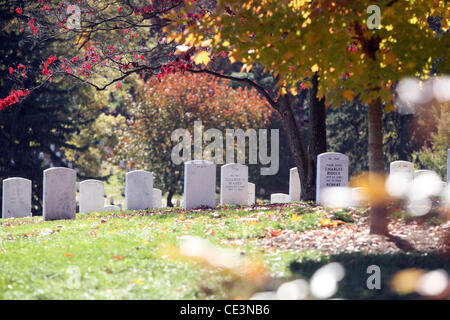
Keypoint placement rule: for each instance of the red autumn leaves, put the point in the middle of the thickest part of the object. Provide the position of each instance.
(13, 97)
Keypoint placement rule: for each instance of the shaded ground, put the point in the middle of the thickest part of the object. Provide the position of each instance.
(355, 237)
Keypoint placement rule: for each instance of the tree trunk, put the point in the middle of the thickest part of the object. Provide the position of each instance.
(378, 213)
(301, 158)
(317, 127)
(169, 199)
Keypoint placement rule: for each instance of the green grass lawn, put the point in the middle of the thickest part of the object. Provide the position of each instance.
(128, 255)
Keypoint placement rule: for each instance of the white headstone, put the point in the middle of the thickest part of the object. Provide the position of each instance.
(59, 200)
(279, 198)
(295, 187)
(199, 184)
(16, 201)
(418, 173)
(111, 208)
(404, 168)
(251, 194)
(92, 196)
(234, 184)
(138, 190)
(157, 198)
(332, 171)
(359, 197)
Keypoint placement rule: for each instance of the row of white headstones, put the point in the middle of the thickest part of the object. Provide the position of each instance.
(59, 194)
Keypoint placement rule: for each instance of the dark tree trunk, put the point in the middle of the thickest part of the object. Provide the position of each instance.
(318, 128)
(378, 213)
(169, 198)
(301, 158)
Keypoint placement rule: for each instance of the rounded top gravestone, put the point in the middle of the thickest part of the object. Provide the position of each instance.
(16, 201)
(199, 184)
(234, 184)
(332, 171)
(138, 190)
(405, 168)
(92, 194)
(59, 200)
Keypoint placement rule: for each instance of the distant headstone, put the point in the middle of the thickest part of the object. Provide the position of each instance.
(418, 173)
(279, 198)
(118, 174)
(359, 197)
(111, 170)
(111, 208)
(403, 168)
(92, 196)
(234, 184)
(178, 203)
(251, 194)
(59, 200)
(138, 190)
(295, 187)
(122, 164)
(332, 171)
(199, 184)
(157, 198)
(111, 200)
(16, 201)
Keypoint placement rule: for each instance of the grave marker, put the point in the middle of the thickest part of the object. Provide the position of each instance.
(138, 190)
(157, 198)
(92, 196)
(279, 198)
(199, 184)
(251, 194)
(16, 201)
(59, 200)
(234, 184)
(332, 171)
(295, 187)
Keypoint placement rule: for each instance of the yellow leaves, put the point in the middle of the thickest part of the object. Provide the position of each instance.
(293, 91)
(325, 222)
(202, 58)
(413, 20)
(405, 281)
(349, 95)
(374, 187)
(297, 4)
(296, 218)
(315, 68)
(306, 23)
(137, 281)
